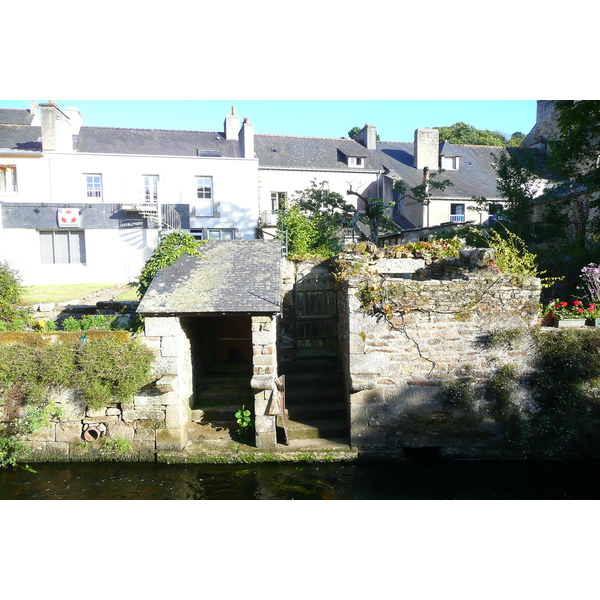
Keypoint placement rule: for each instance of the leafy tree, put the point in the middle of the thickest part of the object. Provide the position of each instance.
(169, 249)
(353, 133)
(422, 193)
(461, 133)
(11, 291)
(516, 139)
(314, 221)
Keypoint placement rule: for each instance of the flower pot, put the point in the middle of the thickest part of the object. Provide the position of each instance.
(547, 322)
(593, 322)
(570, 322)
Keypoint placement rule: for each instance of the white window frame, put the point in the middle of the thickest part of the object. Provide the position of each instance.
(204, 205)
(150, 194)
(276, 199)
(217, 234)
(457, 217)
(449, 163)
(8, 180)
(74, 251)
(356, 161)
(93, 186)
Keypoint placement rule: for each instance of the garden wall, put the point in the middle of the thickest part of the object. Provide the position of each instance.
(424, 355)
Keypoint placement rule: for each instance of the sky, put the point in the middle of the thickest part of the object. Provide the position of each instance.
(395, 120)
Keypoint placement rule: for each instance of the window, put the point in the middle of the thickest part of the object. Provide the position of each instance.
(205, 204)
(277, 200)
(457, 213)
(213, 234)
(356, 161)
(94, 186)
(449, 163)
(150, 188)
(8, 179)
(221, 234)
(62, 247)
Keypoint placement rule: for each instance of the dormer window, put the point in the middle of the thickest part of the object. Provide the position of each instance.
(356, 161)
(449, 163)
(449, 157)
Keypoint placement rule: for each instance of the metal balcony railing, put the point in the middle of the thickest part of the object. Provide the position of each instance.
(457, 218)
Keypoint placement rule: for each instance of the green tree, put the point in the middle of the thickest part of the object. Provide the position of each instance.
(461, 133)
(169, 249)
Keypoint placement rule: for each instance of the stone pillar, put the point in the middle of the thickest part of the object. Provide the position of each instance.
(263, 379)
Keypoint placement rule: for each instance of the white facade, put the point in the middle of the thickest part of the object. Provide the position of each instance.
(209, 196)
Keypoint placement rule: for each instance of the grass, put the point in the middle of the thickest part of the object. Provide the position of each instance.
(35, 294)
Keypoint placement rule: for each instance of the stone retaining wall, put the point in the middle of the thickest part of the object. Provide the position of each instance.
(437, 334)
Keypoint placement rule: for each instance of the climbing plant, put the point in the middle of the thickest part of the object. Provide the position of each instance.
(170, 248)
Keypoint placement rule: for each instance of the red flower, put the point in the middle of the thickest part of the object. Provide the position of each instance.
(579, 310)
(576, 303)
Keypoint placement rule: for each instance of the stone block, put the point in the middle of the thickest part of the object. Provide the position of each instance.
(174, 417)
(159, 326)
(166, 384)
(165, 365)
(266, 432)
(120, 430)
(113, 412)
(263, 338)
(47, 434)
(168, 346)
(138, 414)
(144, 435)
(48, 451)
(171, 439)
(95, 412)
(68, 432)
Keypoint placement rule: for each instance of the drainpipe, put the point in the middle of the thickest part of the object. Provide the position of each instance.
(426, 182)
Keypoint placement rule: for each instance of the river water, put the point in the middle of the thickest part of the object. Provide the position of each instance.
(408, 480)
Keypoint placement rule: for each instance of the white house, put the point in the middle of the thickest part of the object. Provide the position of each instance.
(88, 204)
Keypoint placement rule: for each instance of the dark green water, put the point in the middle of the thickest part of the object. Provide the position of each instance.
(409, 480)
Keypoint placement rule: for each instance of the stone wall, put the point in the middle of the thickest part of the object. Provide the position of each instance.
(434, 341)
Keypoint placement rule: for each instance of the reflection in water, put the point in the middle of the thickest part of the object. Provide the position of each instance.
(409, 480)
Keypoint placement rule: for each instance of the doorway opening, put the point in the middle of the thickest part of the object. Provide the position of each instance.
(221, 348)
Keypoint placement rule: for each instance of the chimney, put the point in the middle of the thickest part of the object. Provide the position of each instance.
(246, 139)
(368, 137)
(75, 118)
(427, 148)
(57, 129)
(231, 125)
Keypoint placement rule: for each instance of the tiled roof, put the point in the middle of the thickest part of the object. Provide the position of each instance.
(231, 276)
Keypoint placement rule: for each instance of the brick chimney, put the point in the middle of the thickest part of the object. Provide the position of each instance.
(427, 148)
(246, 139)
(57, 128)
(368, 137)
(231, 125)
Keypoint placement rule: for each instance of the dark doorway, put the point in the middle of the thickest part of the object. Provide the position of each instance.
(221, 348)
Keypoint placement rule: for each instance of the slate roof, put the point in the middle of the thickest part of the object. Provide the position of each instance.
(316, 154)
(15, 116)
(230, 276)
(20, 138)
(157, 142)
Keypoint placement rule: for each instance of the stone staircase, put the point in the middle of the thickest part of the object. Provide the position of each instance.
(223, 389)
(315, 400)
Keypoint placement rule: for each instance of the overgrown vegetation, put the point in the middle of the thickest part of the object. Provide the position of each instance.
(104, 368)
(169, 249)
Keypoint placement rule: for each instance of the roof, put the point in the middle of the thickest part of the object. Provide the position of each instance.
(309, 153)
(16, 116)
(20, 138)
(156, 142)
(230, 276)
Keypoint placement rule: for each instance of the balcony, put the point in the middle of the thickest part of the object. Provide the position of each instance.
(457, 218)
(268, 218)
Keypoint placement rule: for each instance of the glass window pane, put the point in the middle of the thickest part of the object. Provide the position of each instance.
(46, 247)
(61, 247)
(227, 234)
(77, 240)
